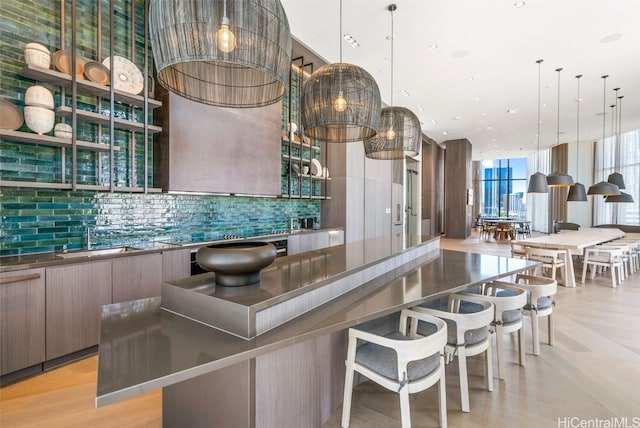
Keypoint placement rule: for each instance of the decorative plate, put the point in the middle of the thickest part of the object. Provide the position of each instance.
(10, 116)
(126, 76)
(97, 72)
(62, 61)
(316, 168)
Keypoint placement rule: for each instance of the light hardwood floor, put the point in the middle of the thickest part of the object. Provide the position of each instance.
(592, 372)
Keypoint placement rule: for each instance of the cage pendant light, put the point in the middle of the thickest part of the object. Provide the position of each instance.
(604, 188)
(340, 103)
(617, 177)
(399, 133)
(222, 52)
(538, 181)
(557, 178)
(577, 192)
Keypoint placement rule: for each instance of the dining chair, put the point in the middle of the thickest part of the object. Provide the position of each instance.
(508, 303)
(540, 291)
(523, 230)
(468, 326)
(602, 257)
(552, 260)
(401, 361)
(518, 250)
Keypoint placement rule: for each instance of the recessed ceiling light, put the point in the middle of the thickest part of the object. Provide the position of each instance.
(444, 133)
(611, 38)
(456, 118)
(489, 128)
(512, 110)
(433, 46)
(435, 122)
(420, 108)
(405, 93)
(459, 54)
(477, 99)
(519, 4)
(483, 114)
(470, 79)
(351, 40)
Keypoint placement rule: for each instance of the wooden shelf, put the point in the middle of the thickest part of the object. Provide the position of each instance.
(85, 86)
(47, 140)
(90, 116)
(67, 186)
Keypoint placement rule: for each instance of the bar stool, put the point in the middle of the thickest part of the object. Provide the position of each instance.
(400, 362)
(468, 326)
(540, 291)
(508, 302)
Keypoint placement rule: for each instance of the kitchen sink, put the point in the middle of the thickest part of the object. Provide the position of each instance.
(97, 252)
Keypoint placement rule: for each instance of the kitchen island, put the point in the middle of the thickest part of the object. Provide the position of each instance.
(292, 374)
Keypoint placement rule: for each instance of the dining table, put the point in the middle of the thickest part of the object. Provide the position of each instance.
(573, 242)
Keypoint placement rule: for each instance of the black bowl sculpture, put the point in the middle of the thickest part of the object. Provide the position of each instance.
(236, 263)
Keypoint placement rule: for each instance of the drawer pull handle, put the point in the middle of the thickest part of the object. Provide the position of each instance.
(19, 278)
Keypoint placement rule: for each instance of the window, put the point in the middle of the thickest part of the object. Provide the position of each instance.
(503, 186)
(620, 156)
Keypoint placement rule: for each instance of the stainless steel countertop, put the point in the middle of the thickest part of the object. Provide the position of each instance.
(143, 347)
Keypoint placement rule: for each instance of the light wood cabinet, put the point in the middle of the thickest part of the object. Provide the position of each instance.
(22, 319)
(75, 295)
(137, 277)
(309, 241)
(176, 264)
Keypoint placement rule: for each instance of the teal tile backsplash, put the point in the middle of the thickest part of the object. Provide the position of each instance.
(34, 221)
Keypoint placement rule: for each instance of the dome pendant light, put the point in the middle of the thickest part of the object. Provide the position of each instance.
(559, 179)
(617, 177)
(537, 181)
(577, 192)
(340, 103)
(235, 56)
(604, 188)
(399, 132)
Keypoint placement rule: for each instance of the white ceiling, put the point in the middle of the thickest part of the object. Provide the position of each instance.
(485, 63)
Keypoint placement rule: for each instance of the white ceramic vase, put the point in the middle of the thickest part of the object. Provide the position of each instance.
(39, 119)
(38, 96)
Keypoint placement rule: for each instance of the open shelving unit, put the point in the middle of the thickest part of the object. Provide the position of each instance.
(122, 106)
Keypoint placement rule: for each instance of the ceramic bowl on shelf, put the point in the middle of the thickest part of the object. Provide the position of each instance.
(126, 76)
(11, 117)
(316, 168)
(39, 119)
(37, 54)
(62, 130)
(97, 72)
(38, 96)
(62, 61)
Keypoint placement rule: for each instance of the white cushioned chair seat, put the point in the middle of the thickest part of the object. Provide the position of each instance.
(385, 360)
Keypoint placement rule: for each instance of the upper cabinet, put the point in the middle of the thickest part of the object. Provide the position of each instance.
(110, 144)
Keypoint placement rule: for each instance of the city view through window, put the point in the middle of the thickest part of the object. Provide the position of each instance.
(503, 188)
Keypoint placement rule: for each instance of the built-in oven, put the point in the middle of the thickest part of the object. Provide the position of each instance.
(281, 251)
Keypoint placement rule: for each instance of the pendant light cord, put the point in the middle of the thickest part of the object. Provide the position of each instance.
(558, 128)
(392, 8)
(578, 131)
(604, 117)
(340, 38)
(538, 157)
